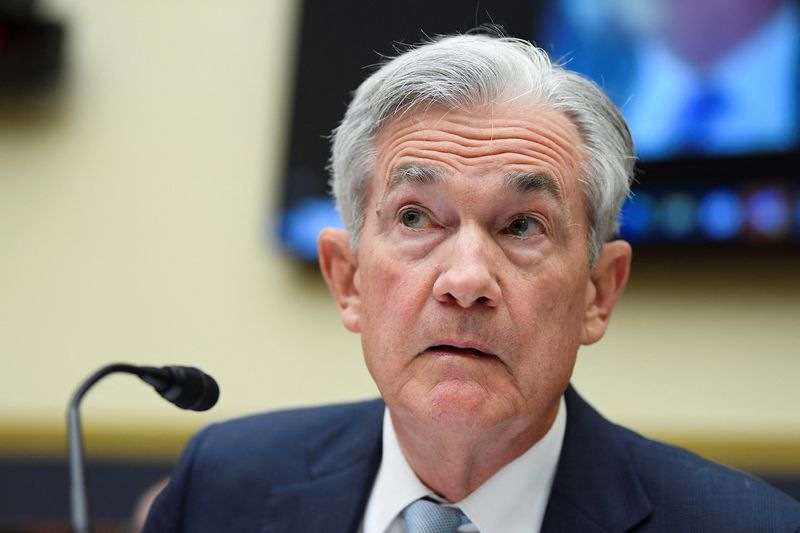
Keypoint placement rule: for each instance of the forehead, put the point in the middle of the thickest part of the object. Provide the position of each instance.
(481, 142)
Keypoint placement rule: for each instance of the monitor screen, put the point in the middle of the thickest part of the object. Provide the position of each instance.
(710, 91)
(710, 78)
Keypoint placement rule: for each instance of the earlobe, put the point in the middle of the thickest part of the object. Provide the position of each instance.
(339, 266)
(608, 278)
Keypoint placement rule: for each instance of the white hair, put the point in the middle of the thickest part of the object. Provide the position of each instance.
(473, 70)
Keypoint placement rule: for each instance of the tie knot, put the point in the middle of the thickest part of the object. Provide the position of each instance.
(426, 516)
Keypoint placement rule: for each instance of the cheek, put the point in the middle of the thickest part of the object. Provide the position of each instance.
(550, 314)
(382, 294)
(396, 284)
(390, 300)
(548, 344)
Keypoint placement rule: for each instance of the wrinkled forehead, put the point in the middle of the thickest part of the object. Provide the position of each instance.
(506, 137)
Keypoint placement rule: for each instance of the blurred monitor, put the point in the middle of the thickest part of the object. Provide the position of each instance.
(711, 77)
(710, 90)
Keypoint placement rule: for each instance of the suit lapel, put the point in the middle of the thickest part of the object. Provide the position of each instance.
(333, 504)
(596, 487)
(342, 466)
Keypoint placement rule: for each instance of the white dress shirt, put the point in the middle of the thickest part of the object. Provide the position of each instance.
(513, 500)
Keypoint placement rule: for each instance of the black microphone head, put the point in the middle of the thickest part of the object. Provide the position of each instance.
(190, 388)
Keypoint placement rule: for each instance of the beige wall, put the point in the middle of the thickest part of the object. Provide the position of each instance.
(133, 216)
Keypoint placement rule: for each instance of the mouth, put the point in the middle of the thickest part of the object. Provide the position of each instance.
(459, 351)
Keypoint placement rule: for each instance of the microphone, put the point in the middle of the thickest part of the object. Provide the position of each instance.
(185, 386)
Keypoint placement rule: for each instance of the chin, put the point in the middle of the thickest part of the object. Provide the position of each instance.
(460, 404)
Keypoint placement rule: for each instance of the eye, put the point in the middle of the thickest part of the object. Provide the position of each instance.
(414, 218)
(524, 226)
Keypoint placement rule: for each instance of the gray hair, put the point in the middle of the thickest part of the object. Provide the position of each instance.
(469, 71)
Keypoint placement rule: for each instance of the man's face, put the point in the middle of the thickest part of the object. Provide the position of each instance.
(471, 283)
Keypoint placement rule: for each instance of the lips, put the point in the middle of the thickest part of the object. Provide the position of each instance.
(459, 350)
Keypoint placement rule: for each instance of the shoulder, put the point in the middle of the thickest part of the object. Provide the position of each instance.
(622, 480)
(278, 436)
(228, 469)
(685, 488)
(290, 425)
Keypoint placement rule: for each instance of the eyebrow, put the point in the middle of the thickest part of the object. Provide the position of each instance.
(534, 181)
(413, 174)
(520, 180)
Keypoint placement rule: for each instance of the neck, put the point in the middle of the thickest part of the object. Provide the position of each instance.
(453, 463)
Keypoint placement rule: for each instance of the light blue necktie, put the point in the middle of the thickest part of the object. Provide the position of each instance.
(426, 516)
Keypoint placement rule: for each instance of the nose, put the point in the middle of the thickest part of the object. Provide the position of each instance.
(468, 275)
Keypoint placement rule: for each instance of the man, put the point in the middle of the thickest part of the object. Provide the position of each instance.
(480, 186)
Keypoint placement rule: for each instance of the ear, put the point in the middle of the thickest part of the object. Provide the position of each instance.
(339, 265)
(607, 280)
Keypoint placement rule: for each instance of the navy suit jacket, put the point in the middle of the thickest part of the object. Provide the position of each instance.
(311, 470)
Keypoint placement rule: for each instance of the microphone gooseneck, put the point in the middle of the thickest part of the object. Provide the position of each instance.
(186, 387)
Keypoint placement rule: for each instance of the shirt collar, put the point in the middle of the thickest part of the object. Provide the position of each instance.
(513, 499)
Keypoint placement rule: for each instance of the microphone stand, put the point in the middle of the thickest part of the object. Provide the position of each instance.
(78, 500)
(184, 386)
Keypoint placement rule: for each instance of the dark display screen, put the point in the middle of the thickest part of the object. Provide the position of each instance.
(710, 90)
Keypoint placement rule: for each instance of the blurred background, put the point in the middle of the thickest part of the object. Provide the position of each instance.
(162, 173)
